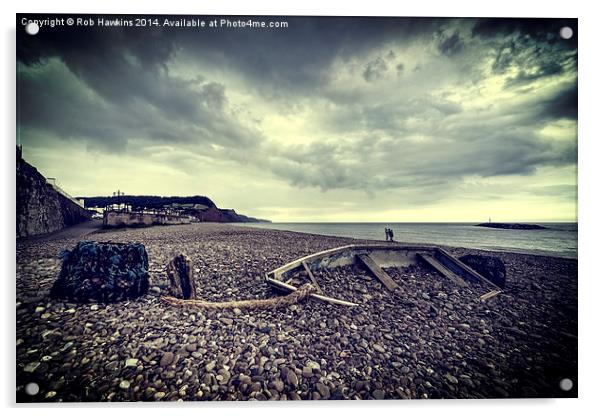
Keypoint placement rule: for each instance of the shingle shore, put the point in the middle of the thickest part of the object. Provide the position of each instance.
(430, 340)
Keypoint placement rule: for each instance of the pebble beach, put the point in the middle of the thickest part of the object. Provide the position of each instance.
(430, 340)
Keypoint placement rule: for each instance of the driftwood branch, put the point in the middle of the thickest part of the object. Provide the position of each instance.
(272, 303)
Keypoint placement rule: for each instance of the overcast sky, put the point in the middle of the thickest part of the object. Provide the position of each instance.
(328, 120)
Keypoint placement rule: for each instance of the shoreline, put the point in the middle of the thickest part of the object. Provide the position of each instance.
(491, 251)
(435, 341)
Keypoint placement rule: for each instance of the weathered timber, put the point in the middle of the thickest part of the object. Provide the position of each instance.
(290, 288)
(181, 282)
(491, 294)
(311, 277)
(346, 254)
(383, 256)
(379, 273)
(441, 269)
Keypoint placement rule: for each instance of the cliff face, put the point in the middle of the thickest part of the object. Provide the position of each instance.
(211, 214)
(232, 216)
(40, 208)
(214, 214)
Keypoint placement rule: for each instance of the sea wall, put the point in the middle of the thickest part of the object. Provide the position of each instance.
(40, 208)
(141, 219)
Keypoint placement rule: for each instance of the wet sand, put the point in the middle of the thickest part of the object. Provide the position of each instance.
(431, 340)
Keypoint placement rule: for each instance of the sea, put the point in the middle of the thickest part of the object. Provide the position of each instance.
(559, 239)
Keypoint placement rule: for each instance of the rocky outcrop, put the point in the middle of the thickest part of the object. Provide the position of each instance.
(507, 226)
(40, 208)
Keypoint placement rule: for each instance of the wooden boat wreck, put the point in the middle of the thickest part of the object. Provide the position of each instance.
(375, 258)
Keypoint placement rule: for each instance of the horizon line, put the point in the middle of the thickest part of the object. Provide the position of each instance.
(422, 222)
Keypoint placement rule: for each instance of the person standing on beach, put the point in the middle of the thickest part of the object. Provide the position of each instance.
(389, 234)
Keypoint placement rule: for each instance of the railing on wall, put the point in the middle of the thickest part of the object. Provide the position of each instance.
(52, 182)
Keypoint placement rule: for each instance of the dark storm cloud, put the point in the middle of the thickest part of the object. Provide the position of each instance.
(534, 61)
(563, 104)
(112, 86)
(451, 45)
(52, 99)
(115, 87)
(534, 46)
(534, 113)
(128, 68)
(375, 69)
(298, 59)
(543, 70)
(543, 30)
(392, 118)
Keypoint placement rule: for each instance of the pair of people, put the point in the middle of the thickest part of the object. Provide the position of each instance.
(388, 234)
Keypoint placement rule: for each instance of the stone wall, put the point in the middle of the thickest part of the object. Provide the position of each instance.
(140, 219)
(40, 208)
